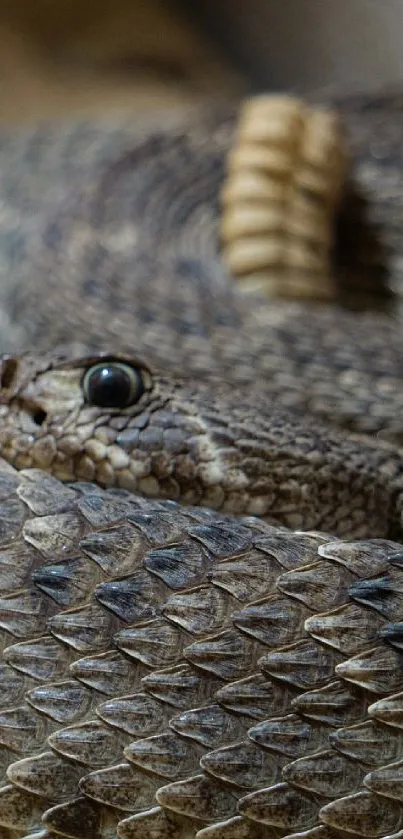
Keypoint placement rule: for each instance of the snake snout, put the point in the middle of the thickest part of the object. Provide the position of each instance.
(15, 393)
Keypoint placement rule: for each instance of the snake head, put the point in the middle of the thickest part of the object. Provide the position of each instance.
(53, 407)
(110, 419)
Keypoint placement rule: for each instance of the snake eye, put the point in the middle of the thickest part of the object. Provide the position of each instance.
(112, 384)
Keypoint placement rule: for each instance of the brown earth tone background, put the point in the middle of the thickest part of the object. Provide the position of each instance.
(60, 56)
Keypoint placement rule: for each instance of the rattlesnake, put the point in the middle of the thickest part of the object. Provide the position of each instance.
(170, 670)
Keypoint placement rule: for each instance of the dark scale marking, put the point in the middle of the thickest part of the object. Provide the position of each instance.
(133, 599)
(392, 633)
(67, 583)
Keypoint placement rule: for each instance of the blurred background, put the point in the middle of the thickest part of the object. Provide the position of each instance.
(306, 44)
(60, 56)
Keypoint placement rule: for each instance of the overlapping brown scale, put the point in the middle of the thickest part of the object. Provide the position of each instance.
(392, 633)
(388, 710)
(281, 806)
(108, 673)
(179, 566)
(21, 729)
(291, 550)
(224, 714)
(70, 583)
(13, 686)
(86, 629)
(320, 586)
(387, 781)
(199, 797)
(156, 524)
(335, 704)
(21, 810)
(383, 593)
(81, 817)
(181, 686)
(326, 773)
(100, 510)
(364, 558)
(243, 764)
(362, 742)
(56, 533)
(42, 658)
(90, 743)
(291, 735)
(256, 697)
(16, 564)
(168, 755)
(116, 549)
(139, 714)
(228, 655)
(122, 786)
(133, 599)
(13, 519)
(222, 539)
(349, 628)
(377, 670)
(303, 664)
(156, 823)
(247, 577)
(237, 828)
(364, 813)
(46, 775)
(42, 493)
(201, 611)
(24, 614)
(156, 643)
(209, 725)
(65, 702)
(274, 621)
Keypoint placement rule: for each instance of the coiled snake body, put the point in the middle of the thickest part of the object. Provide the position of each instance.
(226, 667)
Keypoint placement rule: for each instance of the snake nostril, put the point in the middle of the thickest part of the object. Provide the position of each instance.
(39, 417)
(8, 372)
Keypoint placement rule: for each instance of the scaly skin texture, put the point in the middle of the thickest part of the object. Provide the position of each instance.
(172, 673)
(168, 671)
(198, 444)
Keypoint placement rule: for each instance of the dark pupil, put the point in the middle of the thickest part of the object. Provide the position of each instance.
(109, 387)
